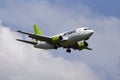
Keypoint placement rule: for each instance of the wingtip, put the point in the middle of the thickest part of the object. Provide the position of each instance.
(35, 25)
(18, 31)
(18, 39)
(89, 48)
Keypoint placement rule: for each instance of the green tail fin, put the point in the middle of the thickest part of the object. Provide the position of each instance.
(37, 31)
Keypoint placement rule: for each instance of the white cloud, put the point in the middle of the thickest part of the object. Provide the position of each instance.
(22, 62)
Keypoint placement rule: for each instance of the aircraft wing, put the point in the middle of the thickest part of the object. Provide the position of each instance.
(25, 41)
(38, 37)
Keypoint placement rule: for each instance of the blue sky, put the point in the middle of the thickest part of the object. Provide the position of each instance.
(55, 16)
(104, 7)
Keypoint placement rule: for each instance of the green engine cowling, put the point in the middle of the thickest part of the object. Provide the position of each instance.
(56, 39)
(82, 45)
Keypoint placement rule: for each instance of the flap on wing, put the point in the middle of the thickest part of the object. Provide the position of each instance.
(41, 38)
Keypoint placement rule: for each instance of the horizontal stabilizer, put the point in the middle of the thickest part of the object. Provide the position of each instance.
(29, 42)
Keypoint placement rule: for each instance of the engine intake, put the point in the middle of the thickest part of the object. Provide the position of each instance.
(60, 38)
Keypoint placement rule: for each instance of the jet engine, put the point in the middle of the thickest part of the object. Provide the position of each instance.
(82, 45)
(57, 38)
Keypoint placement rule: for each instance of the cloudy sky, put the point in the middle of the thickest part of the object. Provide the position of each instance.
(19, 61)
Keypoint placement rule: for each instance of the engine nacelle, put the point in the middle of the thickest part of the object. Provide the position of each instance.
(57, 38)
(82, 45)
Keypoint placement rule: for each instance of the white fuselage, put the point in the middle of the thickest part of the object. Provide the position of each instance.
(71, 37)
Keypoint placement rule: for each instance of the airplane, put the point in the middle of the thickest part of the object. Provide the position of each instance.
(73, 39)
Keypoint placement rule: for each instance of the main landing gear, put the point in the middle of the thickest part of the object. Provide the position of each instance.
(57, 46)
(68, 50)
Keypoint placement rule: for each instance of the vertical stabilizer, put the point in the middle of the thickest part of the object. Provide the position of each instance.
(37, 31)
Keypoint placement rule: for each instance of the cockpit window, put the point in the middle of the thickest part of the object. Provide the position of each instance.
(85, 29)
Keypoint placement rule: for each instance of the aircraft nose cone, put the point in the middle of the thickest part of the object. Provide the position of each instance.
(91, 32)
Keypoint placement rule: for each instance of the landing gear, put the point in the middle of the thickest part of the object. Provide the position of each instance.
(55, 47)
(68, 50)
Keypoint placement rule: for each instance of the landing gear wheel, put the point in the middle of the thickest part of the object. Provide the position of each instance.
(55, 47)
(68, 50)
